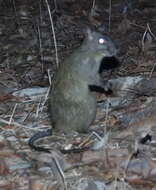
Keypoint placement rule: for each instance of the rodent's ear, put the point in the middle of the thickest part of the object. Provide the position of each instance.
(89, 33)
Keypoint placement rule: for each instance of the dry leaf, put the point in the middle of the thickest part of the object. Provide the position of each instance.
(3, 168)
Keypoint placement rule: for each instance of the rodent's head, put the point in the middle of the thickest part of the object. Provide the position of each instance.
(99, 43)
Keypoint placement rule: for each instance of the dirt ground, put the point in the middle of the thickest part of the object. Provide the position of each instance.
(36, 37)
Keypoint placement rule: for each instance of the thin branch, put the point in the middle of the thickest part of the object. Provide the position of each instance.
(10, 120)
(53, 31)
(110, 14)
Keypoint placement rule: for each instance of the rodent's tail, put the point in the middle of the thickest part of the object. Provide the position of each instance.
(37, 136)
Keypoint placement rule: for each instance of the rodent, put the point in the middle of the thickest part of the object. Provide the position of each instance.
(72, 101)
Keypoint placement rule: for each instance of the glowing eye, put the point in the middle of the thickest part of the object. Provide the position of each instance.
(101, 41)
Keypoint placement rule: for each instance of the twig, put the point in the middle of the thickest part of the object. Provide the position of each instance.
(10, 120)
(18, 125)
(150, 75)
(110, 14)
(60, 171)
(53, 31)
(106, 117)
(45, 99)
(152, 34)
(49, 77)
(147, 30)
(93, 5)
(40, 45)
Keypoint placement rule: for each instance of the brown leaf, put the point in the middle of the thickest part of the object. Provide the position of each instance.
(39, 185)
(3, 168)
(142, 182)
(6, 97)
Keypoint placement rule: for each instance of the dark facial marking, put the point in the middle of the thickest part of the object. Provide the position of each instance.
(108, 63)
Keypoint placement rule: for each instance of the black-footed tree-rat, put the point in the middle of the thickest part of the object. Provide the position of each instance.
(72, 101)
